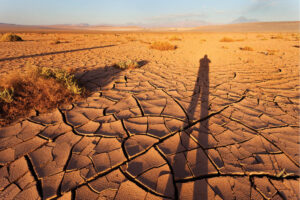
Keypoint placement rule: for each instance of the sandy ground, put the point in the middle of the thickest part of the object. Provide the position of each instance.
(183, 126)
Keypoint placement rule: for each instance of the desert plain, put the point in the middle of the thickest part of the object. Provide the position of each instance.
(216, 118)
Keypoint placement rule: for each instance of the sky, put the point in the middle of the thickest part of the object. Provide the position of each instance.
(145, 12)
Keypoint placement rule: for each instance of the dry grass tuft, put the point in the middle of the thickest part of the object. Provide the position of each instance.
(246, 48)
(227, 39)
(39, 89)
(175, 38)
(7, 95)
(9, 37)
(144, 42)
(131, 39)
(163, 46)
(56, 42)
(279, 36)
(271, 52)
(129, 64)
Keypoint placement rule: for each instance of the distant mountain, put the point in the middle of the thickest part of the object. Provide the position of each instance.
(243, 19)
(6, 24)
(175, 24)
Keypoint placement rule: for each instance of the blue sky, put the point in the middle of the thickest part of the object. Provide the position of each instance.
(147, 12)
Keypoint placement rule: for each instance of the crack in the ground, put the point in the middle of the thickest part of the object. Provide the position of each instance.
(171, 170)
(141, 185)
(240, 174)
(286, 154)
(32, 171)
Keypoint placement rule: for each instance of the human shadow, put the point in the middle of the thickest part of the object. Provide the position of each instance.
(197, 125)
(53, 53)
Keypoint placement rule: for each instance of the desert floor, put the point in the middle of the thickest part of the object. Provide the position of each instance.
(182, 126)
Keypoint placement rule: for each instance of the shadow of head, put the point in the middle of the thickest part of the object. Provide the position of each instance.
(204, 62)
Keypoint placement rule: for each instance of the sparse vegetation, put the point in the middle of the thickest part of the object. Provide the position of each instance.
(271, 52)
(163, 46)
(279, 36)
(227, 39)
(175, 38)
(56, 42)
(144, 42)
(39, 88)
(129, 64)
(131, 39)
(62, 76)
(246, 48)
(297, 38)
(9, 37)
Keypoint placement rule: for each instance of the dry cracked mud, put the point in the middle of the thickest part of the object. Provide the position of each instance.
(162, 132)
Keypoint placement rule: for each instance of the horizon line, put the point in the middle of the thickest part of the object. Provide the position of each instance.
(140, 25)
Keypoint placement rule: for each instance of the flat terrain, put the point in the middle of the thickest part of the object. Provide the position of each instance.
(182, 126)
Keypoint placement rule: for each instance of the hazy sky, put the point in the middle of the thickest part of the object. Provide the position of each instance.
(151, 12)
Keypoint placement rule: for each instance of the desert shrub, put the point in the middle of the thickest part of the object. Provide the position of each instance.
(131, 39)
(297, 38)
(55, 42)
(227, 39)
(279, 36)
(9, 37)
(175, 38)
(271, 52)
(62, 76)
(163, 46)
(144, 42)
(39, 88)
(129, 64)
(246, 48)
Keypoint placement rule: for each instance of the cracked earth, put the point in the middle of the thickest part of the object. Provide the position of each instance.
(213, 130)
